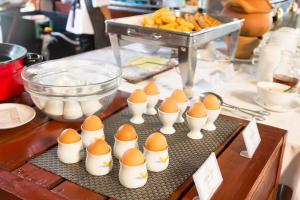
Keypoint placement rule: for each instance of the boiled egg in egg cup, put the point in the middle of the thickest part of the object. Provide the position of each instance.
(69, 146)
(196, 117)
(92, 129)
(168, 113)
(152, 92)
(137, 103)
(125, 138)
(182, 103)
(156, 152)
(213, 109)
(133, 170)
(99, 159)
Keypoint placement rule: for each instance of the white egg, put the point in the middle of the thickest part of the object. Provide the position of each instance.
(54, 107)
(39, 102)
(72, 110)
(90, 107)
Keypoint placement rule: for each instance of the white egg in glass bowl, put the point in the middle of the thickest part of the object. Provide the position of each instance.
(69, 90)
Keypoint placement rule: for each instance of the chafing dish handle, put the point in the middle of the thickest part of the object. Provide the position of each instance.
(134, 33)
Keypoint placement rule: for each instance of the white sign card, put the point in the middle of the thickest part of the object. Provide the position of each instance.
(251, 138)
(208, 178)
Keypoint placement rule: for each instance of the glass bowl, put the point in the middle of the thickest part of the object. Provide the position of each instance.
(70, 90)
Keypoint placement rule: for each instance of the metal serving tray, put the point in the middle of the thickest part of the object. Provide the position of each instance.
(130, 28)
(127, 30)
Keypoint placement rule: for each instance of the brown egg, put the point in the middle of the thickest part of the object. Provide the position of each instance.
(251, 27)
(211, 102)
(179, 96)
(156, 142)
(92, 123)
(99, 147)
(197, 110)
(138, 96)
(169, 106)
(126, 133)
(69, 136)
(249, 6)
(133, 157)
(151, 89)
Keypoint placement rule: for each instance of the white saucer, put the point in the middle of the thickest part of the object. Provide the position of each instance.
(292, 106)
(13, 115)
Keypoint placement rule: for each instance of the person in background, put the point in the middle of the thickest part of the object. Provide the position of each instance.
(86, 20)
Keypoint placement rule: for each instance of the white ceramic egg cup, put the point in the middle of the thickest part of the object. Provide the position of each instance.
(167, 119)
(121, 146)
(137, 109)
(98, 165)
(152, 101)
(182, 107)
(133, 176)
(89, 137)
(212, 116)
(195, 125)
(69, 153)
(156, 161)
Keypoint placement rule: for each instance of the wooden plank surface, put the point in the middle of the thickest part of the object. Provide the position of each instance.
(23, 189)
(72, 191)
(240, 173)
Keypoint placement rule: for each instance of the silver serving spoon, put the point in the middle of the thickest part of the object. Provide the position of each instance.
(257, 114)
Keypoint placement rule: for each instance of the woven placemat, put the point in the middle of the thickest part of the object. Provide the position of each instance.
(186, 156)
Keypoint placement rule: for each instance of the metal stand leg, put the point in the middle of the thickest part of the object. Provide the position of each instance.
(233, 44)
(114, 40)
(187, 66)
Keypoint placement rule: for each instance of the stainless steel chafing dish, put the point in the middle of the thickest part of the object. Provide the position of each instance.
(124, 31)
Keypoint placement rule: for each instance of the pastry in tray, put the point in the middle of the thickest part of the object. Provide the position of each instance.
(165, 19)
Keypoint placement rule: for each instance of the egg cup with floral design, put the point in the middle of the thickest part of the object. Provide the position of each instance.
(121, 146)
(98, 165)
(69, 153)
(133, 176)
(137, 110)
(151, 102)
(168, 120)
(89, 137)
(212, 116)
(182, 107)
(156, 161)
(195, 124)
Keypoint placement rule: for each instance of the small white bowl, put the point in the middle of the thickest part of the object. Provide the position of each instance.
(212, 116)
(133, 176)
(272, 97)
(98, 165)
(69, 153)
(167, 119)
(137, 109)
(152, 101)
(182, 107)
(121, 146)
(89, 137)
(195, 125)
(156, 161)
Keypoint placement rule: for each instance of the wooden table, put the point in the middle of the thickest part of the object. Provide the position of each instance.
(255, 178)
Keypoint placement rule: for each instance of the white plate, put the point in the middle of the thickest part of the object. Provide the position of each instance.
(13, 115)
(292, 106)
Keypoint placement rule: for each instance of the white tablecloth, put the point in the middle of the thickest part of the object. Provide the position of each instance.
(237, 88)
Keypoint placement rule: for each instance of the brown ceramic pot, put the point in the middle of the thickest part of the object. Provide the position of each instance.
(255, 25)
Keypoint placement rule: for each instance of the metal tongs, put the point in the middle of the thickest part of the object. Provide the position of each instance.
(257, 114)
